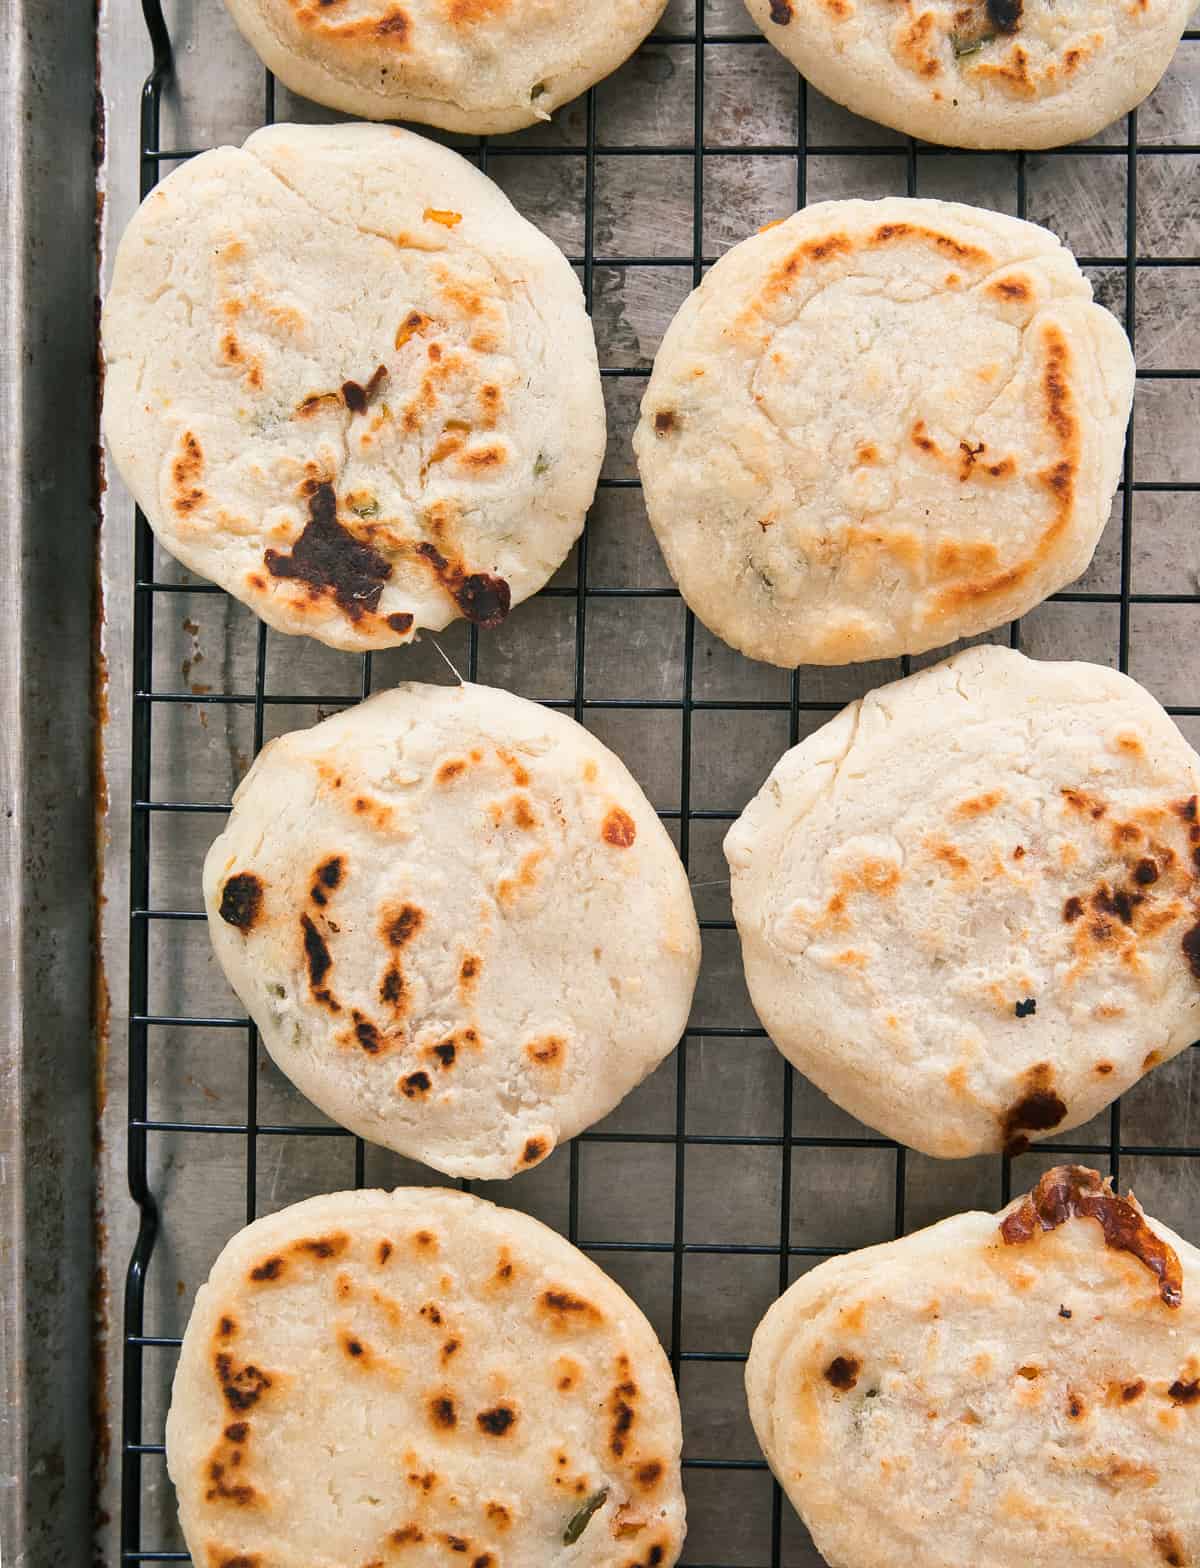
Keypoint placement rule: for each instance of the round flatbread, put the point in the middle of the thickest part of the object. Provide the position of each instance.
(985, 73)
(349, 383)
(999, 1390)
(457, 921)
(418, 1377)
(478, 66)
(969, 906)
(879, 426)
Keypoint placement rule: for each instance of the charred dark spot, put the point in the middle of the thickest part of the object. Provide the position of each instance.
(664, 422)
(499, 1515)
(622, 1422)
(655, 1556)
(242, 1388)
(1170, 1549)
(330, 872)
(357, 398)
(484, 1561)
(1072, 909)
(496, 1421)
(330, 560)
(534, 1149)
(415, 1084)
(1182, 1393)
(1121, 903)
(442, 1411)
(400, 929)
(393, 26)
(781, 12)
(1027, 1008)
(563, 1301)
(618, 829)
(482, 598)
(1132, 1391)
(366, 1033)
(470, 968)
(1145, 872)
(1019, 852)
(391, 987)
(842, 1372)
(241, 900)
(1072, 1191)
(1191, 948)
(649, 1474)
(449, 1348)
(353, 1346)
(316, 953)
(1075, 1407)
(384, 1251)
(1037, 1110)
(409, 1535)
(400, 622)
(323, 1247)
(227, 1328)
(446, 1052)
(1186, 809)
(272, 1268)
(456, 1543)
(237, 1431)
(1064, 1312)
(1005, 14)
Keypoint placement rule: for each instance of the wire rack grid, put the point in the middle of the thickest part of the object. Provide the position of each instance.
(732, 1528)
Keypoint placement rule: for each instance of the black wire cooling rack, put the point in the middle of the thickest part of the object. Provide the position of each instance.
(774, 1539)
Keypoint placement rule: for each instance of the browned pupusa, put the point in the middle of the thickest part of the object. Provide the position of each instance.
(997, 1389)
(980, 73)
(970, 905)
(330, 383)
(460, 925)
(879, 426)
(480, 66)
(419, 1377)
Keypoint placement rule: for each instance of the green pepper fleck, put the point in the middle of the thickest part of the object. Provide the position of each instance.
(580, 1521)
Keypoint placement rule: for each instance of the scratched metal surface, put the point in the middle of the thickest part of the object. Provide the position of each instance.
(731, 1174)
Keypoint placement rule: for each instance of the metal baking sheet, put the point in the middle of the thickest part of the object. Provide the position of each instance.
(725, 1175)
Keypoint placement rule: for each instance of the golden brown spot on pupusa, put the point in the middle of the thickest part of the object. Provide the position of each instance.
(948, 855)
(589, 772)
(979, 805)
(618, 828)
(564, 1309)
(450, 771)
(222, 1557)
(508, 888)
(407, 1535)
(1169, 1547)
(426, 1242)
(442, 1412)
(549, 1051)
(186, 472)
(866, 454)
(498, 1516)
(567, 1374)
(322, 1248)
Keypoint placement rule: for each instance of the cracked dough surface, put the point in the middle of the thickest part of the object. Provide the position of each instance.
(953, 1398)
(477, 66)
(969, 907)
(349, 383)
(420, 1377)
(879, 426)
(457, 921)
(980, 73)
